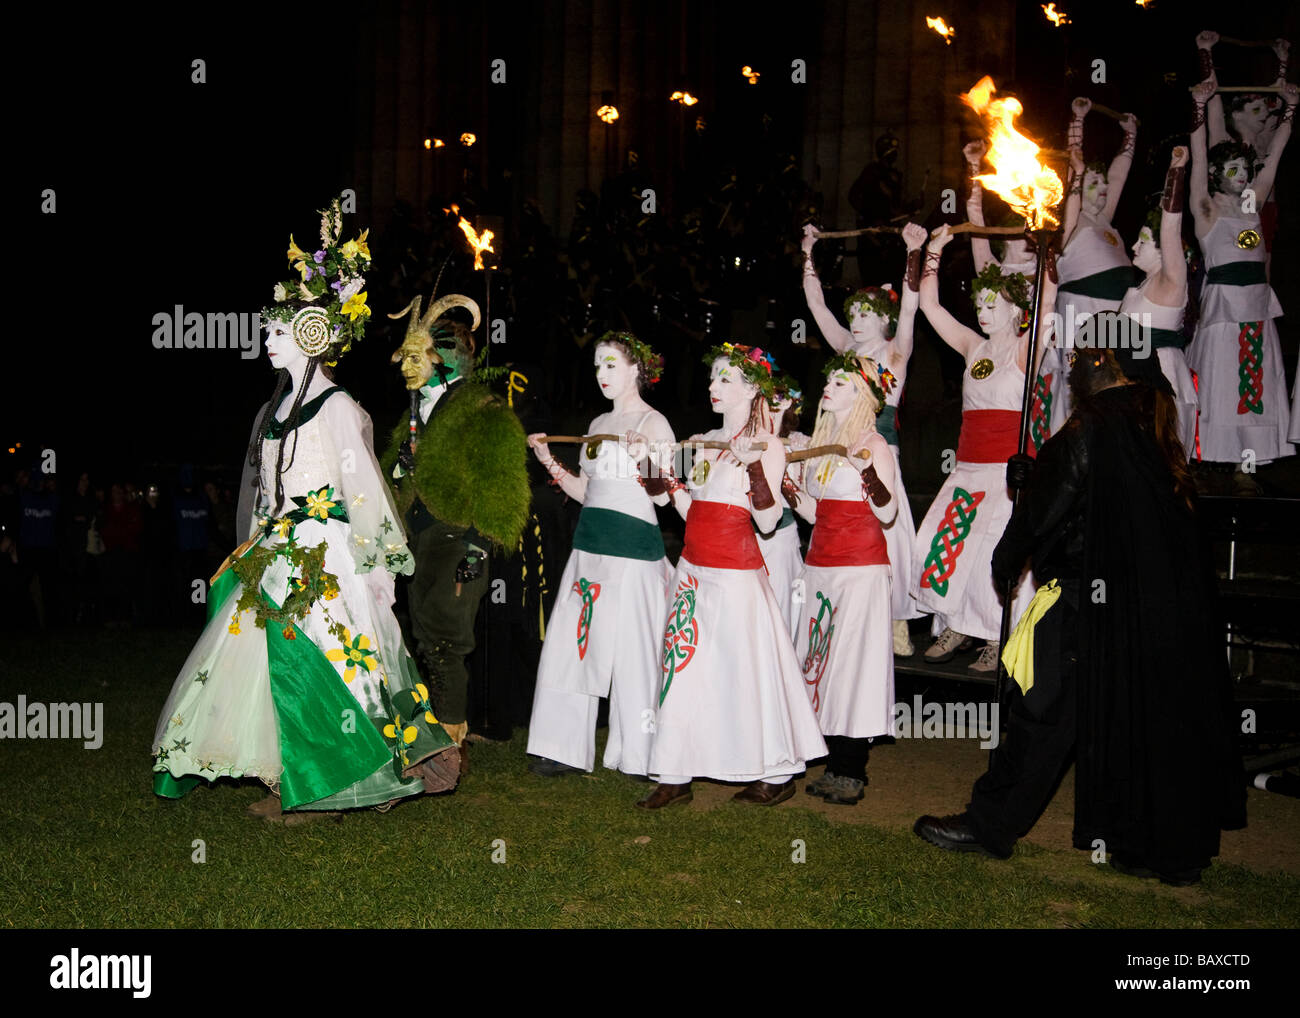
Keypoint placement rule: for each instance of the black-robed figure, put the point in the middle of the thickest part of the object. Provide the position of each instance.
(1130, 677)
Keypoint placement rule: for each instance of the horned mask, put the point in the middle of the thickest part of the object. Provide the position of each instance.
(432, 339)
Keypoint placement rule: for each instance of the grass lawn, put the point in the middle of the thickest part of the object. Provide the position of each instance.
(86, 844)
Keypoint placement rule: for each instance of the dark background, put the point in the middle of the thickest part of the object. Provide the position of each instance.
(171, 192)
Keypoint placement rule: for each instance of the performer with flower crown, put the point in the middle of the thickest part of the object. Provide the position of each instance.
(844, 641)
(731, 702)
(604, 631)
(881, 327)
(300, 678)
(955, 542)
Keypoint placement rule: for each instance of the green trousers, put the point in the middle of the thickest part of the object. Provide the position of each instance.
(442, 620)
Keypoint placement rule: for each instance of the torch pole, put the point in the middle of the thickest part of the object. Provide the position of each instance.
(1041, 239)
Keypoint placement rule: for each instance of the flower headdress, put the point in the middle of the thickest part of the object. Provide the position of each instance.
(755, 365)
(788, 388)
(851, 364)
(650, 363)
(1012, 286)
(880, 300)
(326, 305)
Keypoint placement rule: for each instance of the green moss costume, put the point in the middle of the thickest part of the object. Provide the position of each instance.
(470, 479)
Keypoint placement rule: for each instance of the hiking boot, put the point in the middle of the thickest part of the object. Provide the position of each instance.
(902, 639)
(987, 662)
(845, 791)
(820, 786)
(946, 644)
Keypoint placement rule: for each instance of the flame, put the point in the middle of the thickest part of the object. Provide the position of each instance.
(478, 243)
(608, 113)
(1030, 188)
(685, 98)
(750, 73)
(453, 211)
(1142, 3)
(428, 143)
(938, 25)
(468, 139)
(439, 143)
(1057, 18)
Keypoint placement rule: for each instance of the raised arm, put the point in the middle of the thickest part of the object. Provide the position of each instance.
(1263, 184)
(1199, 182)
(949, 329)
(914, 238)
(980, 248)
(1074, 143)
(840, 338)
(1173, 266)
(1216, 123)
(1117, 174)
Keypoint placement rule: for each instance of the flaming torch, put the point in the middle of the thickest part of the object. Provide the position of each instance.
(938, 25)
(1032, 190)
(1057, 18)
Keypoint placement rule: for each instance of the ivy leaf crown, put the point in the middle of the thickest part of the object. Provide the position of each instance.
(650, 363)
(851, 364)
(1012, 286)
(757, 366)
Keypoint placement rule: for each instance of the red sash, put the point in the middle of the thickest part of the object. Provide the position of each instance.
(720, 536)
(847, 533)
(989, 436)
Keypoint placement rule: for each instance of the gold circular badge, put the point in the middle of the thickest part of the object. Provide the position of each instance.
(1248, 239)
(982, 368)
(700, 473)
(1111, 239)
(593, 450)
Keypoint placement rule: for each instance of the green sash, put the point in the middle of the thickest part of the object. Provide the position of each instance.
(1165, 338)
(1237, 274)
(887, 424)
(607, 532)
(1109, 285)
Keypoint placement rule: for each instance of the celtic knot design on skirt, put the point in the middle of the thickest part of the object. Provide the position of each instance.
(588, 591)
(682, 634)
(941, 562)
(820, 630)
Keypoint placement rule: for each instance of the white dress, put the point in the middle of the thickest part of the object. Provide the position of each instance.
(331, 718)
(784, 561)
(1166, 324)
(846, 641)
(603, 636)
(900, 534)
(953, 560)
(1235, 351)
(731, 701)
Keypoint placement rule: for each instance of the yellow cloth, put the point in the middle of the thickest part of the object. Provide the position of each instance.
(1018, 654)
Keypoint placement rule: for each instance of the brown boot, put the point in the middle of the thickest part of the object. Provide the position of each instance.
(666, 795)
(763, 793)
(266, 809)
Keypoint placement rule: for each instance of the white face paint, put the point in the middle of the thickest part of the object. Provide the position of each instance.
(866, 325)
(282, 351)
(1146, 255)
(615, 373)
(1235, 176)
(1251, 118)
(839, 394)
(728, 389)
(1095, 190)
(996, 313)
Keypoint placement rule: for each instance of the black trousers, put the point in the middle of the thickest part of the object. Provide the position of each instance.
(1041, 728)
(848, 757)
